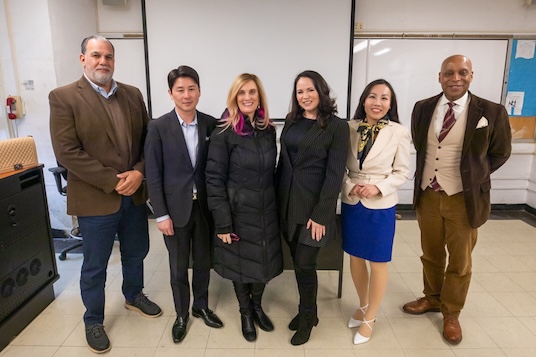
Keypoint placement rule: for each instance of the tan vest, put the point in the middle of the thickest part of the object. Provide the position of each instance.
(443, 159)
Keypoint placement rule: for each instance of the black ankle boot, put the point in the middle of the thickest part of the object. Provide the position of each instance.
(293, 325)
(248, 327)
(262, 319)
(306, 323)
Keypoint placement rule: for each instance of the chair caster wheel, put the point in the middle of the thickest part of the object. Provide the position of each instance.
(62, 256)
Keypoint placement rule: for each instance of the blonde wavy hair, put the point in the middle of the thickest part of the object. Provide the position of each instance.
(233, 117)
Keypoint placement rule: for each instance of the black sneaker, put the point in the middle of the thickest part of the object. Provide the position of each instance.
(144, 306)
(96, 338)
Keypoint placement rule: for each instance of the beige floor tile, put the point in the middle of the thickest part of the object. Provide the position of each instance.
(429, 353)
(495, 282)
(414, 282)
(518, 352)
(229, 352)
(68, 303)
(507, 332)
(476, 287)
(407, 264)
(158, 281)
(26, 351)
(114, 352)
(509, 264)
(402, 249)
(397, 284)
(47, 330)
(283, 352)
(379, 353)
(527, 280)
(138, 331)
(479, 352)
(485, 248)
(392, 305)
(417, 331)
(482, 264)
(153, 261)
(173, 352)
(484, 304)
(324, 353)
(518, 303)
(529, 322)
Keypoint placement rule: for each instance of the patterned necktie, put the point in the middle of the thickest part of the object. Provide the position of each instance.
(448, 123)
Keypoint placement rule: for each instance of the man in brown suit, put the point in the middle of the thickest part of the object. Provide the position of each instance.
(460, 140)
(98, 127)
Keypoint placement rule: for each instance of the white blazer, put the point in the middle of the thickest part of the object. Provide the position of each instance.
(386, 166)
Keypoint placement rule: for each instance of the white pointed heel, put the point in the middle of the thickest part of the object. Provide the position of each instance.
(356, 323)
(358, 338)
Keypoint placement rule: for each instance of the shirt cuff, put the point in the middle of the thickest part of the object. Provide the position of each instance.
(162, 218)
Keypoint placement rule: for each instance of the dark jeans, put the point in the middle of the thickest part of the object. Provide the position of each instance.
(131, 226)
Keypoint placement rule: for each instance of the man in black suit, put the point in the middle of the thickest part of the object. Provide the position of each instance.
(176, 150)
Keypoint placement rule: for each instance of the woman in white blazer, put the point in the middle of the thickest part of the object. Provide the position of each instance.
(377, 165)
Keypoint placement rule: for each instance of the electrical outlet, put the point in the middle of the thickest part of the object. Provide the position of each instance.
(359, 26)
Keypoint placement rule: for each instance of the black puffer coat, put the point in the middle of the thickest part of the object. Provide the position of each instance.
(241, 196)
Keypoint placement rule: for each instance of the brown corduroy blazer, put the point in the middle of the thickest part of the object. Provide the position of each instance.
(84, 143)
(486, 147)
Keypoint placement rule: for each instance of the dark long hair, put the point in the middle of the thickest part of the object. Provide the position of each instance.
(393, 111)
(326, 106)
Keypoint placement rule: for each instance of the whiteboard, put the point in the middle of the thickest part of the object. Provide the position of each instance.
(274, 39)
(412, 67)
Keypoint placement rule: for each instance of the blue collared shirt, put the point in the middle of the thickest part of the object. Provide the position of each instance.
(191, 136)
(101, 90)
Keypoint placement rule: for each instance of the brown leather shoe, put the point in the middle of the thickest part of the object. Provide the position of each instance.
(420, 306)
(452, 331)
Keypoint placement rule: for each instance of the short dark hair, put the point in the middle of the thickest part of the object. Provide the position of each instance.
(326, 106)
(182, 71)
(360, 110)
(83, 46)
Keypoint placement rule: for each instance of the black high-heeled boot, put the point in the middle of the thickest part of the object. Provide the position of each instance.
(259, 316)
(293, 325)
(306, 323)
(248, 327)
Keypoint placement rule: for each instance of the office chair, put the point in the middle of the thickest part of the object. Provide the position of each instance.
(60, 173)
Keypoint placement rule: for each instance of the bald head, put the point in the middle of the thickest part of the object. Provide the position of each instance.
(455, 77)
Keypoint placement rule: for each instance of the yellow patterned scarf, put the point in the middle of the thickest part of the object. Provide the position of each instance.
(368, 134)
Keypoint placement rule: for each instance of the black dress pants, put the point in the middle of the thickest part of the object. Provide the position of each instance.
(195, 235)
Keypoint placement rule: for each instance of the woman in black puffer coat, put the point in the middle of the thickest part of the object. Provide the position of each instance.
(241, 196)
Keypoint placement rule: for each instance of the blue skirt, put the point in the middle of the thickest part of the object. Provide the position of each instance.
(368, 233)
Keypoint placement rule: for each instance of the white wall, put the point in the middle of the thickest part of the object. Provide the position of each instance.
(452, 16)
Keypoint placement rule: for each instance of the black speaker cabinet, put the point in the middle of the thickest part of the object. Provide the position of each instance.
(27, 261)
